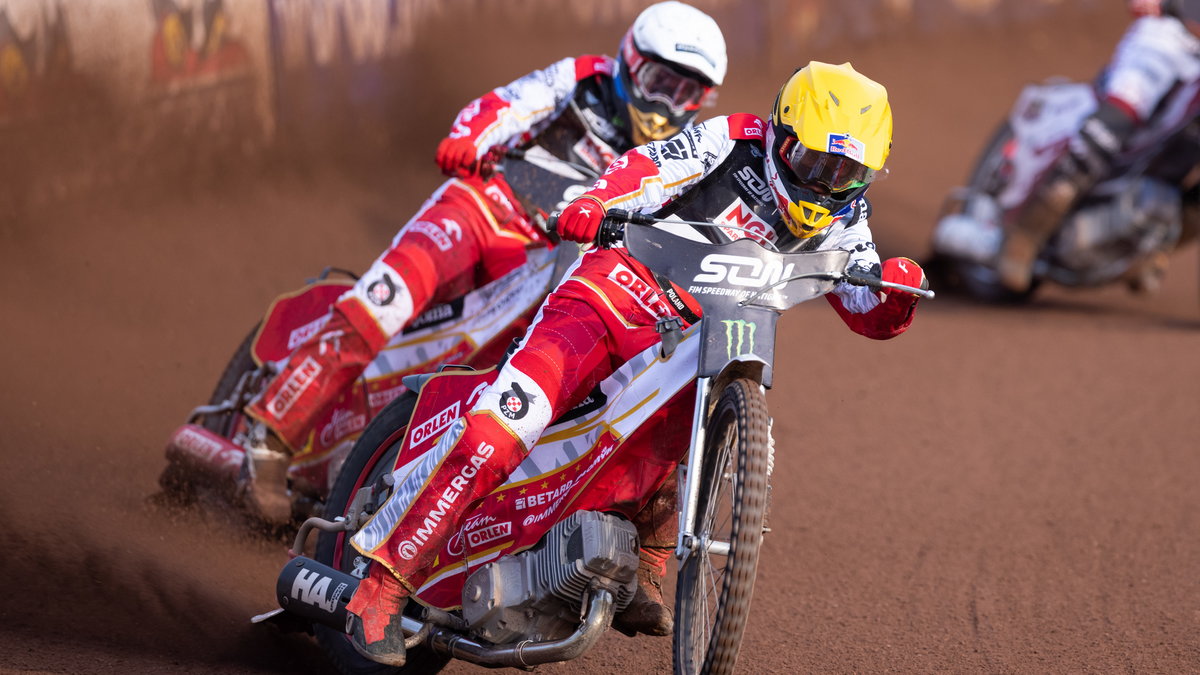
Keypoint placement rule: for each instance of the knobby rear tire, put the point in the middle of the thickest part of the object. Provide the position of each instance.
(712, 596)
(239, 364)
(177, 482)
(373, 455)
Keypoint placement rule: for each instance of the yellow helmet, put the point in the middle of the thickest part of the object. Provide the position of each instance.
(830, 132)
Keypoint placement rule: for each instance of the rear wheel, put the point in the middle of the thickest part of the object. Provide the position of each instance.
(990, 176)
(716, 581)
(241, 363)
(373, 456)
(178, 482)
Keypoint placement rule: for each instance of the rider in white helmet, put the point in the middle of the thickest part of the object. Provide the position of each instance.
(670, 60)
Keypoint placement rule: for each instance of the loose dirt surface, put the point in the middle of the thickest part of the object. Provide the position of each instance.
(998, 490)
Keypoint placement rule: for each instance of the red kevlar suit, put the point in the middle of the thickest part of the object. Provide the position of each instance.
(470, 232)
(602, 314)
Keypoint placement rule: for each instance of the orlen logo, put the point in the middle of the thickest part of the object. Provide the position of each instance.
(740, 215)
(295, 385)
(435, 424)
(646, 296)
(753, 131)
(741, 271)
(488, 534)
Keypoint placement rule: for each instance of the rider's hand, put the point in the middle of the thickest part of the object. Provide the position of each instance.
(580, 220)
(457, 157)
(903, 271)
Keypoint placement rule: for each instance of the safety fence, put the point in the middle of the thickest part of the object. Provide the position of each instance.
(95, 93)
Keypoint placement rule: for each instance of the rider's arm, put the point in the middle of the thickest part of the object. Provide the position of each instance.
(650, 175)
(861, 308)
(505, 114)
(1155, 55)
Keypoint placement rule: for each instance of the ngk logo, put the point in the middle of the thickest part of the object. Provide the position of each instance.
(741, 271)
(740, 215)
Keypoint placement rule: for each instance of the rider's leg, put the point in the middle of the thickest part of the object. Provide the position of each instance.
(657, 526)
(1088, 159)
(435, 257)
(576, 340)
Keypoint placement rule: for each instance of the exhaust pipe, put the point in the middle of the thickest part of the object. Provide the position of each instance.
(316, 592)
(205, 455)
(320, 594)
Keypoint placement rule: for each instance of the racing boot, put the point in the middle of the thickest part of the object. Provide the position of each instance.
(1147, 276)
(263, 483)
(1029, 230)
(375, 614)
(648, 612)
(657, 525)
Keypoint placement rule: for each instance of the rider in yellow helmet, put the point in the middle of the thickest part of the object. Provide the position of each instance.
(797, 183)
(830, 133)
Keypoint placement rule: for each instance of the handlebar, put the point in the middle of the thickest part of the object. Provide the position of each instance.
(612, 232)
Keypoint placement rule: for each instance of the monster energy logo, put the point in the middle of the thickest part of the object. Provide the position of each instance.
(745, 338)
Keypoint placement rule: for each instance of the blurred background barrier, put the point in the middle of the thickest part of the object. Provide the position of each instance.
(119, 93)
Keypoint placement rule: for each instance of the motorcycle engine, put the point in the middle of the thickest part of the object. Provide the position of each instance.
(538, 594)
(1124, 222)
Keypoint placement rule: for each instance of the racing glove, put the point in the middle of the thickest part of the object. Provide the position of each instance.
(904, 271)
(580, 220)
(457, 157)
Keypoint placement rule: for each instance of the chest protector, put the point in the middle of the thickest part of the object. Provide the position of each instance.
(584, 134)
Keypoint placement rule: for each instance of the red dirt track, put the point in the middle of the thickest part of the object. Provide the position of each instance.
(998, 490)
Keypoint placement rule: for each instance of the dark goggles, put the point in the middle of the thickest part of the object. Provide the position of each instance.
(836, 172)
(659, 83)
(1188, 10)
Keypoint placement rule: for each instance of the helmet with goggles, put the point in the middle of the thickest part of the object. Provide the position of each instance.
(830, 133)
(668, 64)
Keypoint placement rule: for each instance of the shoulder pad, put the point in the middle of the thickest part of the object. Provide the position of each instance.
(590, 64)
(863, 207)
(746, 127)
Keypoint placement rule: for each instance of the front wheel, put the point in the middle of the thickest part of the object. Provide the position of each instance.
(716, 581)
(373, 455)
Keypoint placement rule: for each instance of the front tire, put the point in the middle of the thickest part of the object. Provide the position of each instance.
(713, 592)
(373, 455)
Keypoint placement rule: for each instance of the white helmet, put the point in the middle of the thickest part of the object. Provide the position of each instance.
(668, 63)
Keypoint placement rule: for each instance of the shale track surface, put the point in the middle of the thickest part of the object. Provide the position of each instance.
(998, 490)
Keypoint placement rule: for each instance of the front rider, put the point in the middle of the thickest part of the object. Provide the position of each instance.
(473, 230)
(1147, 92)
(797, 181)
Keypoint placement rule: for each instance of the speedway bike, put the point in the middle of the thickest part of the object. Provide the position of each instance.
(206, 455)
(1123, 230)
(541, 565)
